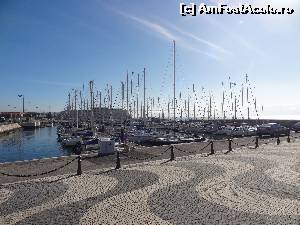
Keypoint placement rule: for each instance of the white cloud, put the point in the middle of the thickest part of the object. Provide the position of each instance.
(169, 35)
(157, 28)
(203, 41)
(241, 40)
(197, 50)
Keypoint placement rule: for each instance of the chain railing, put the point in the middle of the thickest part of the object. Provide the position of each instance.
(148, 158)
(192, 152)
(38, 174)
(251, 143)
(231, 145)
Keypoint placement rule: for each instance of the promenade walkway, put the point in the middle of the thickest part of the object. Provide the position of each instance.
(246, 186)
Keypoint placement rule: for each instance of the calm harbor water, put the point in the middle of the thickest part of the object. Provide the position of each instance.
(31, 144)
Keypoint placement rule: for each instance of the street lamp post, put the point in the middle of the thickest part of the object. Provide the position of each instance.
(22, 101)
(10, 113)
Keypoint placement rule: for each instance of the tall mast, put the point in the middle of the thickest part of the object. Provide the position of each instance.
(194, 111)
(181, 114)
(188, 107)
(210, 107)
(137, 97)
(174, 85)
(137, 107)
(69, 105)
(223, 101)
(80, 95)
(147, 108)
(92, 104)
(248, 110)
(134, 108)
(111, 102)
(87, 109)
(168, 110)
(122, 91)
(242, 95)
(76, 109)
(23, 105)
(235, 108)
(100, 103)
(127, 93)
(111, 97)
(144, 109)
(72, 109)
(152, 106)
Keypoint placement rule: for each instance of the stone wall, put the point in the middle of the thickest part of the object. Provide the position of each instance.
(9, 127)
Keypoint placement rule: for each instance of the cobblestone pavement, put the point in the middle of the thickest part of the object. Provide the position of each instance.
(246, 186)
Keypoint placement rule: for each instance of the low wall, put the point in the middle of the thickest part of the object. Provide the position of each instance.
(9, 127)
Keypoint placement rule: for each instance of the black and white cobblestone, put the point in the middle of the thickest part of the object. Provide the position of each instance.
(247, 186)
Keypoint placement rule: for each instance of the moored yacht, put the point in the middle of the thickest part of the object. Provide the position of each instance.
(31, 124)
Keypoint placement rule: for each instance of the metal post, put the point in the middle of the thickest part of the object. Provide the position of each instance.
(256, 142)
(212, 151)
(79, 171)
(172, 153)
(230, 145)
(288, 139)
(118, 163)
(278, 140)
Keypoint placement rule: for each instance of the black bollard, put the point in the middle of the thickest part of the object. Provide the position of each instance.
(212, 151)
(288, 139)
(118, 163)
(230, 145)
(278, 140)
(256, 142)
(172, 153)
(79, 171)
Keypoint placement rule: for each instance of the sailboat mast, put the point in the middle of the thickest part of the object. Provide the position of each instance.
(174, 85)
(210, 108)
(122, 91)
(223, 101)
(69, 105)
(76, 108)
(194, 111)
(168, 110)
(242, 95)
(248, 109)
(91, 105)
(111, 97)
(127, 93)
(80, 95)
(147, 108)
(144, 108)
(235, 117)
(137, 97)
(188, 107)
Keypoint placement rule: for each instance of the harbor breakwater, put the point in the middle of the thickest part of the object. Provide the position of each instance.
(9, 127)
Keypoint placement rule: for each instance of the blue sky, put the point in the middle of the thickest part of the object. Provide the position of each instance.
(49, 47)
